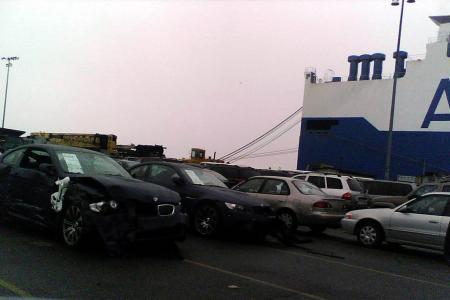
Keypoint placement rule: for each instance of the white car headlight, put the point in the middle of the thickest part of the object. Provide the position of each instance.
(234, 206)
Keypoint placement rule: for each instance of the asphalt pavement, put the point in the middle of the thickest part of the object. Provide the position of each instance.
(34, 263)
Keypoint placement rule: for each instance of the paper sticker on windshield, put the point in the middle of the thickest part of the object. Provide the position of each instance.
(195, 179)
(72, 162)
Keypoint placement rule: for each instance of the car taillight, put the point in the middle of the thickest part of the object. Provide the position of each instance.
(322, 204)
(347, 196)
(348, 215)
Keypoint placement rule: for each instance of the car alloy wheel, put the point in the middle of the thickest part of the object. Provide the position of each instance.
(206, 220)
(370, 234)
(72, 226)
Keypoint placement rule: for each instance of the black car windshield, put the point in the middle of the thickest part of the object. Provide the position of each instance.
(202, 177)
(87, 163)
(307, 188)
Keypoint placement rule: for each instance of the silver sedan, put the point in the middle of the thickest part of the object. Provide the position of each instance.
(297, 202)
(420, 222)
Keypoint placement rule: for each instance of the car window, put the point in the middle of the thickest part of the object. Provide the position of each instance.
(275, 187)
(355, 185)
(334, 183)
(162, 174)
(400, 189)
(318, 181)
(251, 186)
(446, 188)
(13, 158)
(307, 188)
(429, 205)
(33, 158)
(425, 189)
(388, 188)
(302, 177)
(139, 172)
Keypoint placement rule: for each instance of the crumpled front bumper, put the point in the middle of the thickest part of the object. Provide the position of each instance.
(124, 227)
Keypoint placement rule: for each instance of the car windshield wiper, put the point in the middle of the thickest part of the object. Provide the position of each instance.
(74, 173)
(215, 185)
(110, 174)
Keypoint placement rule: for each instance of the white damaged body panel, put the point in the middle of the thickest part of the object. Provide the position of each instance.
(58, 197)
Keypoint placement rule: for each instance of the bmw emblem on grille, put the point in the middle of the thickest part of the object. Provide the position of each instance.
(155, 199)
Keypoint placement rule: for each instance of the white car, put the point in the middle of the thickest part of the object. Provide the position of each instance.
(341, 186)
(420, 222)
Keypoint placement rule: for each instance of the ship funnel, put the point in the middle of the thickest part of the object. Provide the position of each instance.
(378, 59)
(400, 65)
(354, 61)
(365, 66)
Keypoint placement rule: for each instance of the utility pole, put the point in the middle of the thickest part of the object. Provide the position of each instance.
(387, 168)
(8, 65)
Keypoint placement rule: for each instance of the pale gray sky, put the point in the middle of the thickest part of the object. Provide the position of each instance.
(210, 74)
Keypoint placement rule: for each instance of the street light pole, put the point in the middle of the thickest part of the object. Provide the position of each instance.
(387, 168)
(8, 65)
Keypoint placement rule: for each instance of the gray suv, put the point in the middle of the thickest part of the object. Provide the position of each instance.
(374, 189)
(394, 201)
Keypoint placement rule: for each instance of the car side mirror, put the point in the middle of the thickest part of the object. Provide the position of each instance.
(47, 169)
(178, 180)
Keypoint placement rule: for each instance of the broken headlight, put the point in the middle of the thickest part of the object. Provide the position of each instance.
(103, 206)
(234, 206)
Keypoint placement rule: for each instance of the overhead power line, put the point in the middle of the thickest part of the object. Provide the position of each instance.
(264, 135)
(274, 153)
(266, 143)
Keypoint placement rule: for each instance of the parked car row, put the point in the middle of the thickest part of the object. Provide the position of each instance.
(80, 193)
(83, 194)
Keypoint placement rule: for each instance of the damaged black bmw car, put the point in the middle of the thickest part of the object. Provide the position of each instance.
(82, 193)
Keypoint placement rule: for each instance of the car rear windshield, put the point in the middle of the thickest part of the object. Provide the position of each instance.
(226, 171)
(387, 188)
(307, 188)
(355, 185)
(248, 172)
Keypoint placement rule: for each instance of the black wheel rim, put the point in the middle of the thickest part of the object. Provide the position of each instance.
(72, 225)
(287, 219)
(206, 220)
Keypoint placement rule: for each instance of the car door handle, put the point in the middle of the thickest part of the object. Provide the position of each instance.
(433, 222)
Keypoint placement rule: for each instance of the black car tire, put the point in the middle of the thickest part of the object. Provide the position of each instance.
(206, 220)
(73, 229)
(370, 234)
(288, 219)
(317, 229)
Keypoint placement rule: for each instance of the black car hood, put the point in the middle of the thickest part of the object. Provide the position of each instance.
(228, 195)
(122, 188)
